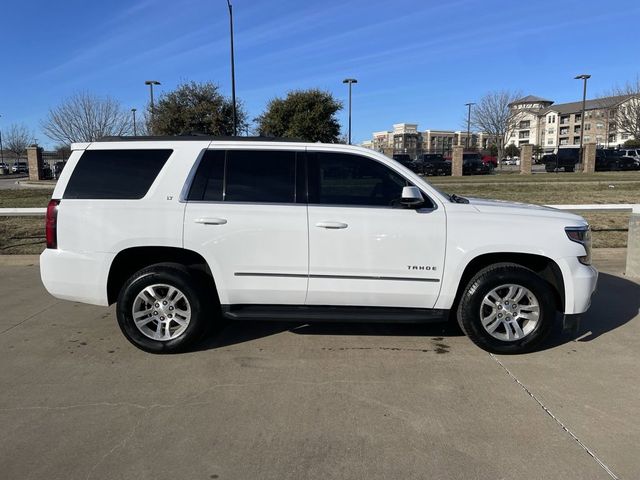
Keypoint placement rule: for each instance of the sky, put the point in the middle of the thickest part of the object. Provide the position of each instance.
(415, 61)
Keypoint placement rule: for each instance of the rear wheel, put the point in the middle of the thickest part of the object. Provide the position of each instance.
(162, 309)
(506, 308)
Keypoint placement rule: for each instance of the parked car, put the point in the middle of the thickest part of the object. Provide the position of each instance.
(20, 167)
(511, 161)
(475, 166)
(404, 159)
(628, 163)
(184, 231)
(630, 152)
(490, 160)
(565, 159)
(609, 159)
(57, 169)
(4, 168)
(434, 164)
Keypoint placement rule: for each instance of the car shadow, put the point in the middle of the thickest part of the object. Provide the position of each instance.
(616, 302)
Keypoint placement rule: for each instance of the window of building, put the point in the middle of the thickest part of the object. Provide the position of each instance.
(576, 140)
(587, 138)
(344, 179)
(564, 141)
(587, 127)
(599, 125)
(550, 141)
(524, 124)
(115, 174)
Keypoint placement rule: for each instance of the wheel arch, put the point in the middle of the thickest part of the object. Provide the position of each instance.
(131, 260)
(545, 267)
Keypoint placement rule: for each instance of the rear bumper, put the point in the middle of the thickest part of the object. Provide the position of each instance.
(75, 276)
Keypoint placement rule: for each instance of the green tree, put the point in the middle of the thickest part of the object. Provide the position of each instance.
(194, 108)
(632, 144)
(309, 115)
(512, 150)
(493, 150)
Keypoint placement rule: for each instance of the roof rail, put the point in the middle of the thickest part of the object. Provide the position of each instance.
(194, 136)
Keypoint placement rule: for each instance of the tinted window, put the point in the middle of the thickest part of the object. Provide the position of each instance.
(115, 174)
(260, 176)
(343, 179)
(208, 182)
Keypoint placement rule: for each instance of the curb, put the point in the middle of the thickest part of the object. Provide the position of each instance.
(30, 184)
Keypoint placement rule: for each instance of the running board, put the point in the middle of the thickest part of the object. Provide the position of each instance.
(322, 313)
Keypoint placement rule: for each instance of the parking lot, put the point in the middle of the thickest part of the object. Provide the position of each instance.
(324, 401)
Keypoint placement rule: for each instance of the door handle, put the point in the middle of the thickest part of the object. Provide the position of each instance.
(332, 225)
(211, 221)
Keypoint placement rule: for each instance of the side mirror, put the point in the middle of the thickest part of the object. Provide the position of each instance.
(411, 197)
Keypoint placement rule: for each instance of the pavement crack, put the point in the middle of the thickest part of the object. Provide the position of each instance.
(590, 452)
(121, 444)
(29, 317)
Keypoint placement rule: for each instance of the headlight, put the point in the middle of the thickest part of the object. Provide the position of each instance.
(581, 235)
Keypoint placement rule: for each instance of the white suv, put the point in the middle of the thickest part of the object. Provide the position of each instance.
(182, 232)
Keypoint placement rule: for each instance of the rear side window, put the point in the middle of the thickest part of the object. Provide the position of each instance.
(256, 176)
(260, 176)
(115, 174)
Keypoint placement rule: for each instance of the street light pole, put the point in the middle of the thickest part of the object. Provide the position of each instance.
(584, 78)
(135, 131)
(151, 83)
(1, 149)
(233, 72)
(350, 81)
(469, 122)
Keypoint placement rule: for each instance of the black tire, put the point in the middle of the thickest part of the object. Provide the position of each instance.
(492, 277)
(570, 169)
(179, 278)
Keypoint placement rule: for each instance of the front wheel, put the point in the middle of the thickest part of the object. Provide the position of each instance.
(506, 308)
(162, 309)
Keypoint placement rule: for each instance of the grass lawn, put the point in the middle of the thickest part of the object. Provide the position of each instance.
(25, 235)
(25, 197)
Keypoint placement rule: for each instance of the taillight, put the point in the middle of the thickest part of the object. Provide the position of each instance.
(51, 224)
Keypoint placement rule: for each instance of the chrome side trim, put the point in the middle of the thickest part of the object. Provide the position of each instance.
(343, 277)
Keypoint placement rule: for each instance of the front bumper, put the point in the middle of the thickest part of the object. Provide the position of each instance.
(580, 283)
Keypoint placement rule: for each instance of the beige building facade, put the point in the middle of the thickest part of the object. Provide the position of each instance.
(406, 138)
(543, 123)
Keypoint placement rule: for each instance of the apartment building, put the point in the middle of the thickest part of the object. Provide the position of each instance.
(406, 138)
(527, 120)
(549, 125)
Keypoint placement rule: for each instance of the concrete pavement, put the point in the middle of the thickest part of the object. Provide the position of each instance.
(292, 401)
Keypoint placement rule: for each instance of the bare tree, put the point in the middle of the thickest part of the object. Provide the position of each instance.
(494, 116)
(627, 113)
(85, 117)
(18, 138)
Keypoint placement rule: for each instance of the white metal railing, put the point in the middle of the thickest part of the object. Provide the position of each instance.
(22, 212)
(611, 207)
